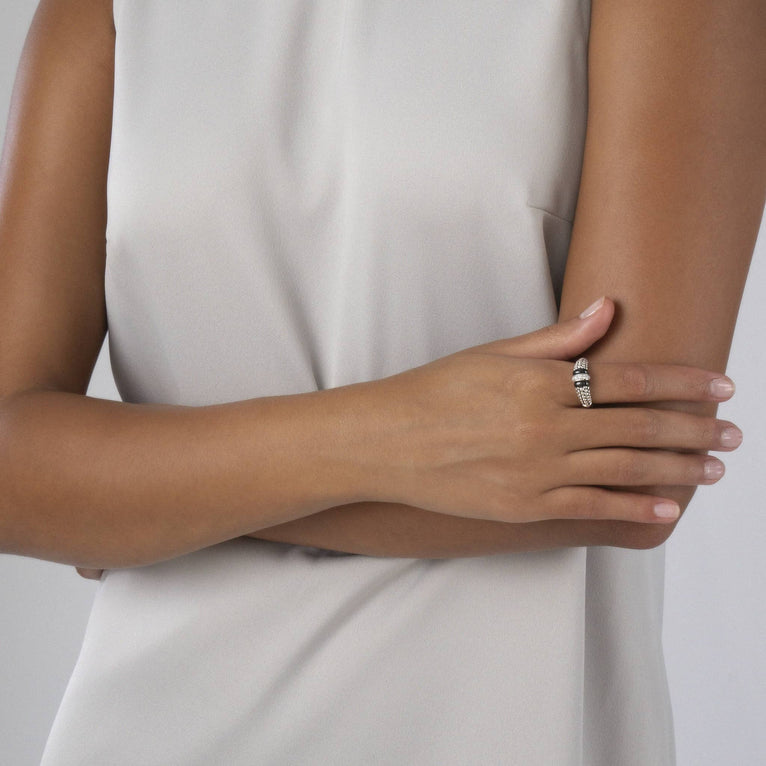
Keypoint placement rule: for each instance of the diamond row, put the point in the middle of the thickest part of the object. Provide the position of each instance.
(583, 394)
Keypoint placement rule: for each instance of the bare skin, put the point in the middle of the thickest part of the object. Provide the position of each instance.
(671, 197)
(155, 493)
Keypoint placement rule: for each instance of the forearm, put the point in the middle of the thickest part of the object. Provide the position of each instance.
(670, 201)
(391, 529)
(98, 483)
(673, 183)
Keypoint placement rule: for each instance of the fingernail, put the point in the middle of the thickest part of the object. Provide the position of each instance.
(721, 387)
(593, 308)
(713, 469)
(666, 510)
(731, 437)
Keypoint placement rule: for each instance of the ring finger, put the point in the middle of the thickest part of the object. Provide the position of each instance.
(613, 382)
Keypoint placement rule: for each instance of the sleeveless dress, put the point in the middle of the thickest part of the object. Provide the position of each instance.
(304, 194)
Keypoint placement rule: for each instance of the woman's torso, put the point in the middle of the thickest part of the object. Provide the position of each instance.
(304, 195)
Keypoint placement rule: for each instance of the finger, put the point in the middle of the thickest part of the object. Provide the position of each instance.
(612, 382)
(561, 340)
(635, 467)
(648, 428)
(617, 505)
(89, 574)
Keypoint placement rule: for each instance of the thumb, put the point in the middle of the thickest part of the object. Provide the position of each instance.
(566, 339)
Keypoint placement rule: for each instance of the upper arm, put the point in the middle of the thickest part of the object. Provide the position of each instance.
(53, 199)
(673, 183)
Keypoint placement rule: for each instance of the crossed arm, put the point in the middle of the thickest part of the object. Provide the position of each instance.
(671, 198)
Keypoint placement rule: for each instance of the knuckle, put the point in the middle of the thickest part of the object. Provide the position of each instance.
(637, 381)
(526, 431)
(646, 424)
(532, 439)
(631, 469)
(506, 505)
(525, 379)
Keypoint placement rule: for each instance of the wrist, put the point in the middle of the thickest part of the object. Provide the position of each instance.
(361, 440)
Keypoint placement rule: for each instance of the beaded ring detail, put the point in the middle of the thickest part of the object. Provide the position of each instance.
(581, 380)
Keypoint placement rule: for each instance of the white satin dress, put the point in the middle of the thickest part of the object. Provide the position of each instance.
(305, 194)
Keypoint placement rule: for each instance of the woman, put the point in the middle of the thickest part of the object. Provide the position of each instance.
(352, 509)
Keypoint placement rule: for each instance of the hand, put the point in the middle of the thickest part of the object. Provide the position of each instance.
(496, 431)
(89, 574)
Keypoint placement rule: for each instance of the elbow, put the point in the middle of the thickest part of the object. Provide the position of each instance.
(638, 536)
(628, 534)
(646, 537)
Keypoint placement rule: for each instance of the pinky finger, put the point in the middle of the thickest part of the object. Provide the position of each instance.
(583, 502)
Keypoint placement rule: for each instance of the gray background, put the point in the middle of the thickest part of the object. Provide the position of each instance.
(715, 619)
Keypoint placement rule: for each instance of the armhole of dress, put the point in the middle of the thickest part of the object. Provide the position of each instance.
(116, 10)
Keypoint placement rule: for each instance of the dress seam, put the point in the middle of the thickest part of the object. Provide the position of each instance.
(550, 212)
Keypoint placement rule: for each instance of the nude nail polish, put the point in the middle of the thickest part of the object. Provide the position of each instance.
(593, 308)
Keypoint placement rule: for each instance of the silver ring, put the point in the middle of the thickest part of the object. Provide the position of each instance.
(581, 380)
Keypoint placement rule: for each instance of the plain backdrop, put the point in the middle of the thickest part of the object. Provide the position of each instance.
(715, 618)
